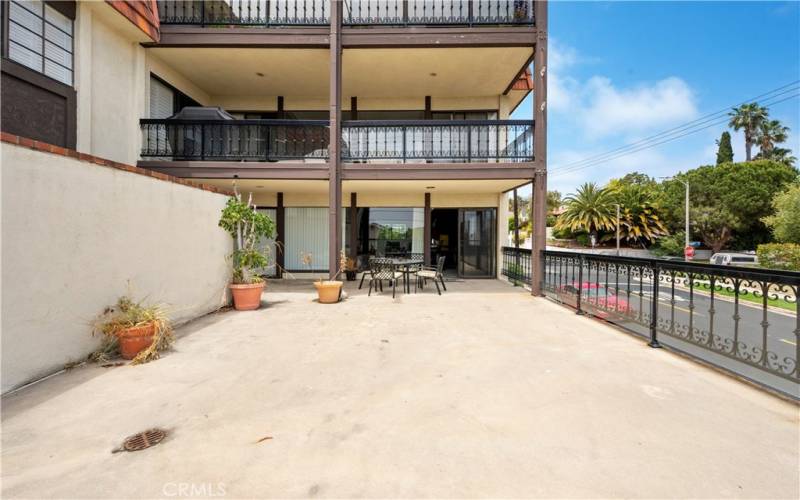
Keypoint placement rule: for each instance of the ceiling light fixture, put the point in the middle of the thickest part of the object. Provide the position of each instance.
(258, 73)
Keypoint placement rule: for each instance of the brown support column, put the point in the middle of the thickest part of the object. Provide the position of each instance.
(539, 192)
(354, 108)
(281, 114)
(516, 220)
(428, 108)
(426, 232)
(280, 237)
(335, 134)
(353, 227)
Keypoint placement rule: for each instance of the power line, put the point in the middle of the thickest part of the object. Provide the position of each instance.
(684, 127)
(605, 157)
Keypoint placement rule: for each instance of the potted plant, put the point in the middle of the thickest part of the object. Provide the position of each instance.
(248, 228)
(328, 291)
(136, 331)
(350, 269)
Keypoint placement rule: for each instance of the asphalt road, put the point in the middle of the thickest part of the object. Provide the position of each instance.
(780, 325)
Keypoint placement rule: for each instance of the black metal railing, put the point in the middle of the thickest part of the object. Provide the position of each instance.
(356, 12)
(437, 12)
(236, 140)
(245, 12)
(438, 140)
(744, 320)
(391, 141)
(516, 265)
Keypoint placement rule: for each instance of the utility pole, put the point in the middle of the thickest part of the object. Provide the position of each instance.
(686, 202)
(617, 229)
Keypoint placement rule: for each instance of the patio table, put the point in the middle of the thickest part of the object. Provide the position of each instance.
(406, 263)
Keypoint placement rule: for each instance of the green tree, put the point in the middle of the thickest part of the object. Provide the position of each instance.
(639, 220)
(589, 209)
(785, 222)
(748, 117)
(728, 201)
(782, 155)
(768, 135)
(724, 149)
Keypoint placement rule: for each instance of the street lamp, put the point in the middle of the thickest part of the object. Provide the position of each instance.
(685, 183)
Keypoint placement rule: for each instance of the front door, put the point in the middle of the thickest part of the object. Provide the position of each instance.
(476, 242)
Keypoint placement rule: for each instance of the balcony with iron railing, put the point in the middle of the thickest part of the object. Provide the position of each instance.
(355, 12)
(396, 141)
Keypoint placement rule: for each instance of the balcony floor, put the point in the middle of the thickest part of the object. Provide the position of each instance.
(484, 391)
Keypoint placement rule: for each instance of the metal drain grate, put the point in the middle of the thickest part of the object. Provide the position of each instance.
(142, 440)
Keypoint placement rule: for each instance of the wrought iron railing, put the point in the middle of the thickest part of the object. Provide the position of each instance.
(516, 265)
(390, 141)
(437, 12)
(356, 12)
(237, 140)
(744, 320)
(438, 140)
(245, 12)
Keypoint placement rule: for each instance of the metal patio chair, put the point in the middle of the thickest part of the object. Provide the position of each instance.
(433, 273)
(381, 269)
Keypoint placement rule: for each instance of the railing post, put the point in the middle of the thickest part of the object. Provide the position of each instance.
(266, 13)
(404, 144)
(405, 12)
(469, 12)
(202, 142)
(654, 307)
(580, 284)
(202, 13)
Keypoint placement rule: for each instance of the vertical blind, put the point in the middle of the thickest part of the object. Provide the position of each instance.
(40, 38)
(306, 232)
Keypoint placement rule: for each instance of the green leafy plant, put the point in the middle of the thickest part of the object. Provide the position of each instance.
(784, 256)
(670, 245)
(785, 222)
(248, 228)
(127, 313)
(589, 209)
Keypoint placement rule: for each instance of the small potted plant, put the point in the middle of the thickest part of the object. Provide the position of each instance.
(136, 331)
(328, 291)
(350, 269)
(248, 228)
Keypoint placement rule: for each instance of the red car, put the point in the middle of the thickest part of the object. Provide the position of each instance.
(595, 298)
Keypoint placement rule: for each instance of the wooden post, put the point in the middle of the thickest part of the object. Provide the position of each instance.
(354, 227)
(516, 221)
(539, 194)
(281, 114)
(426, 232)
(335, 134)
(280, 237)
(354, 108)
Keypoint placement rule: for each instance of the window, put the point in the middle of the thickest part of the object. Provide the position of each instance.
(40, 38)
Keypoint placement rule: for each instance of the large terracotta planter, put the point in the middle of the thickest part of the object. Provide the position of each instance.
(328, 291)
(135, 339)
(247, 297)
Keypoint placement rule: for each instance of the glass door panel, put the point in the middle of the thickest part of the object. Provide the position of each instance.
(476, 243)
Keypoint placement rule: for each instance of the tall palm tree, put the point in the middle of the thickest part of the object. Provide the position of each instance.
(748, 117)
(589, 209)
(770, 134)
(781, 155)
(639, 221)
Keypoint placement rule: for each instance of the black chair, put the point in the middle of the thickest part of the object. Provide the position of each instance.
(434, 273)
(383, 269)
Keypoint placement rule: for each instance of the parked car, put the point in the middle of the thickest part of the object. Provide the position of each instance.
(734, 259)
(596, 298)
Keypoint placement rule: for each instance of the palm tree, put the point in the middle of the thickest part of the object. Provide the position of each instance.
(589, 209)
(748, 117)
(781, 155)
(769, 134)
(638, 219)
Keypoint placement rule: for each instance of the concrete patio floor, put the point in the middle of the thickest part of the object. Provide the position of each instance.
(482, 392)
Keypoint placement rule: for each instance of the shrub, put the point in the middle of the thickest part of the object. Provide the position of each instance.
(670, 245)
(784, 256)
(583, 240)
(562, 233)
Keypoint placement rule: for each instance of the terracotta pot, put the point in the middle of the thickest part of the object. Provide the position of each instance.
(328, 291)
(247, 297)
(135, 339)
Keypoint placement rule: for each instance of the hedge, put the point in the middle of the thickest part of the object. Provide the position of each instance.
(784, 256)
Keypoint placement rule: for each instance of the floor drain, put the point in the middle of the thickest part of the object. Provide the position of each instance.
(142, 440)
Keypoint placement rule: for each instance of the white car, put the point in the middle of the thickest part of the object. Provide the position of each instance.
(734, 259)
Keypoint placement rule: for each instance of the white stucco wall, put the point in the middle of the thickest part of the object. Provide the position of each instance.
(74, 234)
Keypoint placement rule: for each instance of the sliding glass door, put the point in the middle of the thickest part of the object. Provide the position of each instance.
(476, 242)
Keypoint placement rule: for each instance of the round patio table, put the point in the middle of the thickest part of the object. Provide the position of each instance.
(406, 264)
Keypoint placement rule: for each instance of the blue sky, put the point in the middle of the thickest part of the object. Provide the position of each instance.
(622, 71)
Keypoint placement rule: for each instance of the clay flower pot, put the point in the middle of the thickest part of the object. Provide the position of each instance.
(328, 291)
(135, 339)
(247, 297)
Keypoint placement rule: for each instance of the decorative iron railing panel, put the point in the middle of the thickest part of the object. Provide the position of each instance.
(356, 12)
(745, 320)
(245, 12)
(391, 141)
(437, 12)
(235, 140)
(438, 140)
(517, 265)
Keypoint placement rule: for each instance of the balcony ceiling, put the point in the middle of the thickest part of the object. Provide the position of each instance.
(420, 187)
(459, 72)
